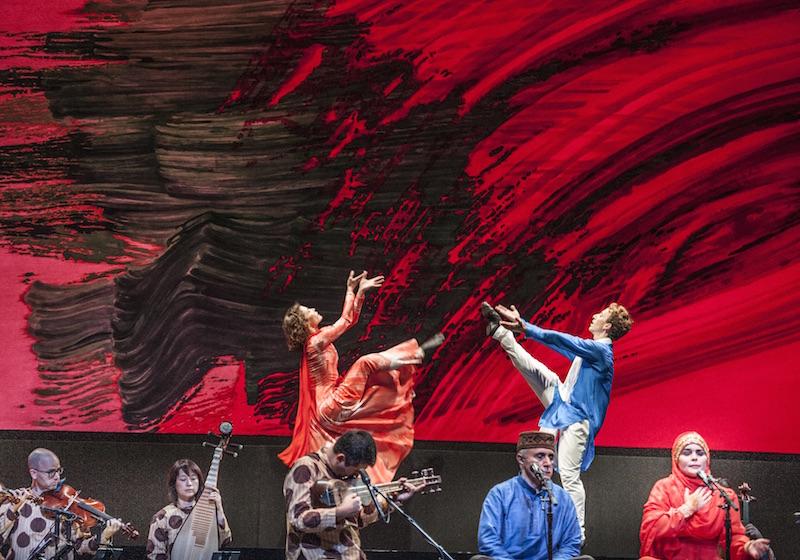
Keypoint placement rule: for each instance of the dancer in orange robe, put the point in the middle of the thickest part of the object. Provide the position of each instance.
(374, 395)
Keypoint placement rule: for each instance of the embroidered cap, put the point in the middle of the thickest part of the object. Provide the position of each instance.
(536, 439)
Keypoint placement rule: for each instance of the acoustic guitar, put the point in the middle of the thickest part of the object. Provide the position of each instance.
(330, 492)
(198, 538)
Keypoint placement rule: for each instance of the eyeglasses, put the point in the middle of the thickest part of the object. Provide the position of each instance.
(52, 472)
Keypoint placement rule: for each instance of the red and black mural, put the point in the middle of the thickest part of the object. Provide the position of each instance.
(175, 174)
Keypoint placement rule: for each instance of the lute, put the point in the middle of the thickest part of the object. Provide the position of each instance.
(744, 501)
(330, 492)
(198, 538)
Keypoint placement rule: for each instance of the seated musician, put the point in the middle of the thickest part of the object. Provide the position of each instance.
(186, 488)
(684, 519)
(513, 524)
(27, 527)
(314, 531)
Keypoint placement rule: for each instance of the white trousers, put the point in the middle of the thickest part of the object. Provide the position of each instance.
(572, 439)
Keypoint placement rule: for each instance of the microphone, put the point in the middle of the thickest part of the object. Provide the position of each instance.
(539, 474)
(707, 479)
(365, 478)
(712, 482)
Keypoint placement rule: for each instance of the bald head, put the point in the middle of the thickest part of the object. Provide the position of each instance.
(45, 469)
(41, 457)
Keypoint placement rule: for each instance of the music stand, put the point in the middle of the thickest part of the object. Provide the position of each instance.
(226, 555)
(108, 553)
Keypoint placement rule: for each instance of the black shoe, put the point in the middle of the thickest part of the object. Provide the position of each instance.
(429, 346)
(492, 316)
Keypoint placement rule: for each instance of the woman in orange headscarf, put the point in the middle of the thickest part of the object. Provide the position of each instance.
(374, 395)
(682, 520)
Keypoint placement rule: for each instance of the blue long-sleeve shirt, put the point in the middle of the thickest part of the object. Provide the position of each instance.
(590, 383)
(513, 523)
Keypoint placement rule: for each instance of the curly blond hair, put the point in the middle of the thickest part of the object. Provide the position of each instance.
(295, 327)
(620, 320)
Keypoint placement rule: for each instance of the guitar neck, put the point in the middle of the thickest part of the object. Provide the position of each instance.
(213, 470)
(390, 487)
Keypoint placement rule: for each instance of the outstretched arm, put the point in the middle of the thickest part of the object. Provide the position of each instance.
(350, 312)
(565, 344)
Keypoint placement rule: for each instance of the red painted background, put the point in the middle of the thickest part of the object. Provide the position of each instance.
(174, 178)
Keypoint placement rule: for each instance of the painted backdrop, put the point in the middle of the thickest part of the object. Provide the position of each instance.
(175, 174)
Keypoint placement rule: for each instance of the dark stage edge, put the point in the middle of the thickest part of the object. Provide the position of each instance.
(138, 553)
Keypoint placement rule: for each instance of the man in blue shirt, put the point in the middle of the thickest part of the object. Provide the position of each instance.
(513, 523)
(575, 408)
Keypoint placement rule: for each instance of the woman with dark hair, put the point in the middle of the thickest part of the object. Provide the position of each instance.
(374, 395)
(185, 488)
(682, 518)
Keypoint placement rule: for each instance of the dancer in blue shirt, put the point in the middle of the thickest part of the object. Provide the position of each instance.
(513, 523)
(575, 408)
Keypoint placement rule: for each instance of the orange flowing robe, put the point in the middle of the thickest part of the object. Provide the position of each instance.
(666, 535)
(375, 395)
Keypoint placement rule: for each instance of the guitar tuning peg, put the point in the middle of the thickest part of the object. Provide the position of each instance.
(415, 474)
(427, 472)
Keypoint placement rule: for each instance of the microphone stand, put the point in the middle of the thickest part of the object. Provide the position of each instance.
(442, 552)
(550, 498)
(712, 483)
(371, 488)
(38, 552)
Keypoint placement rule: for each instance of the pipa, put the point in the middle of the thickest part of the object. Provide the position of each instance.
(198, 539)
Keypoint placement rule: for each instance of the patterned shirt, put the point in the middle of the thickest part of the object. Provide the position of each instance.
(30, 528)
(164, 528)
(311, 531)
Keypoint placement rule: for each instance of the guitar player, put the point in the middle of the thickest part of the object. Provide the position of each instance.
(312, 529)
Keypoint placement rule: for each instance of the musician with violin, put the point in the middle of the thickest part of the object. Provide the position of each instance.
(186, 490)
(28, 518)
(324, 511)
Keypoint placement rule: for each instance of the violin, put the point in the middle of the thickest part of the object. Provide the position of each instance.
(8, 495)
(745, 497)
(88, 512)
(18, 502)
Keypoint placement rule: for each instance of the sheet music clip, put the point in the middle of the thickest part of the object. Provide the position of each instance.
(226, 555)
